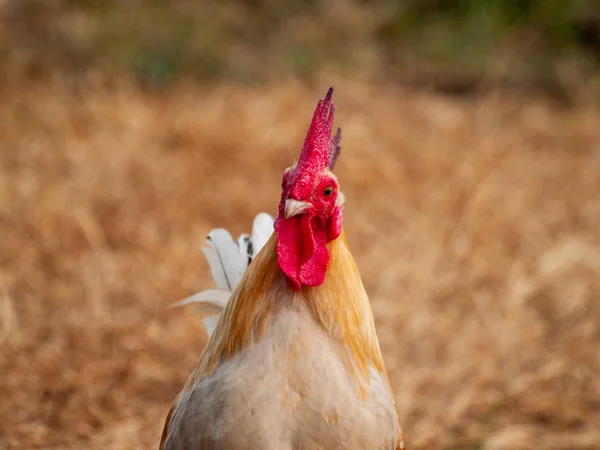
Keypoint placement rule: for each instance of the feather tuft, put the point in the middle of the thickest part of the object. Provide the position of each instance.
(228, 260)
(334, 148)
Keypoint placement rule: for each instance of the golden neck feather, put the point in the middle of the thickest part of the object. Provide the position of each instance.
(340, 305)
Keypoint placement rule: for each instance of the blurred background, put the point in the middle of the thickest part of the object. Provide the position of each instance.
(470, 163)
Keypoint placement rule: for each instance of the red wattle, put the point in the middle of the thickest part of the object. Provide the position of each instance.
(301, 249)
(315, 256)
(288, 248)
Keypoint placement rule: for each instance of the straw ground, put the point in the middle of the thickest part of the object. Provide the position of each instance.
(474, 223)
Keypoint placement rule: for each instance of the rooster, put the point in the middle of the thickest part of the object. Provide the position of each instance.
(293, 361)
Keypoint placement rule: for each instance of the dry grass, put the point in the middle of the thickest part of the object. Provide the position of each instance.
(475, 225)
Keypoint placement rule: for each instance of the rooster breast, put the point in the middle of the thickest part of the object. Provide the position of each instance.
(290, 390)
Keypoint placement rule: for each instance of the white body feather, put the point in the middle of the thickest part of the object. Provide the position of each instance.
(266, 398)
(228, 260)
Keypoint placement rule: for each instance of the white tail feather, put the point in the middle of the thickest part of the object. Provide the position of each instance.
(228, 260)
(262, 228)
(226, 263)
(217, 297)
(210, 323)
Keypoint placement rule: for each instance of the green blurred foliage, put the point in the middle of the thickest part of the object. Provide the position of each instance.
(442, 42)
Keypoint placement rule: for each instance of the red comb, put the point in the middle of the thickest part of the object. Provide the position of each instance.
(320, 151)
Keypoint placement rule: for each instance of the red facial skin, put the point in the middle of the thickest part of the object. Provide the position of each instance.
(301, 248)
(301, 239)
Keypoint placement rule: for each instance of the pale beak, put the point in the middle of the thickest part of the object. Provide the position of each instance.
(295, 207)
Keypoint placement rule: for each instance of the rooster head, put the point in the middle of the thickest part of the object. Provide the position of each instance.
(310, 210)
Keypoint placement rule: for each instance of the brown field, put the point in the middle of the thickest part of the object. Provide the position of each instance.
(474, 223)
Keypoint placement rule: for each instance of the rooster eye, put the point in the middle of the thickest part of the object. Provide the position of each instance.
(328, 191)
